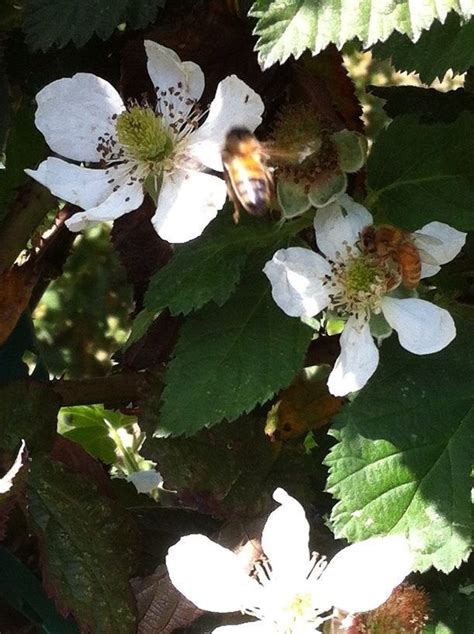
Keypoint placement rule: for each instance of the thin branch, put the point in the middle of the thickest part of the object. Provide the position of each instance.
(115, 390)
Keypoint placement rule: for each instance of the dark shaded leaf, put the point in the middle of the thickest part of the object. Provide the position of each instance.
(431, 105)
(49, 22)
(418, 173)
(88, 547)
(443, 47)
(188, 465)
(28, 411)
(23, 591)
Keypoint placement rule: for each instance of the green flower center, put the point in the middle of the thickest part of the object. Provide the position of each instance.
(361, 275)
(357, 285)
(141, 132)
(301, 607)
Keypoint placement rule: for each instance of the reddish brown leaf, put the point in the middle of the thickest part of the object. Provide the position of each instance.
(161, 608)
(16, 286)
(306, 404)
(78, 460)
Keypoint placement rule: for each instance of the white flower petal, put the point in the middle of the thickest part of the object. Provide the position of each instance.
(125, 199)
(254, 627)
(297, 277)
(235, 105)
(422, 327)
(440, 241)
(428, 270)
(166, 71)
(285, 540)
(77, 185)
(187, 203)
(73, 112)
(145, 481)
(210, 576)
(6, 481)
(336, 230)
(358, 360)
(362, 576)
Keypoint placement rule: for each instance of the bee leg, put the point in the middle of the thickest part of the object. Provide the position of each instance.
(236, 215)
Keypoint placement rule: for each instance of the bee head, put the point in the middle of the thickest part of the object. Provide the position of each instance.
(239, 138)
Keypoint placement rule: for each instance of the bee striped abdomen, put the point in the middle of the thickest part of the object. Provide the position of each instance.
(254, 194)
(409, 263)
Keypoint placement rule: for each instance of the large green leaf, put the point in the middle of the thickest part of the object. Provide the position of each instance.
(49, 22)
(289, 27)
(445, 46)
(88, 548)
(405, 452)
(418, 173)
(206, 269)
(230, 359)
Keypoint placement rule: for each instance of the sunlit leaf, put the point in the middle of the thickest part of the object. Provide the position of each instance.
(289, 27)
(405, 452)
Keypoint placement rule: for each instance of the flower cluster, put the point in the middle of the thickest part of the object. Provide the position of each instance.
(348, 282)
(291, 592)
(136, 149)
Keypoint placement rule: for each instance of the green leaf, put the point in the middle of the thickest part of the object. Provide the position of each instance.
(453, 613)
(419, 173)
(21, 589)
(289, 27)
(89, 426)
(49, 22)
(431, 105)
(405, 452)
(188, 465)
(206, 269)
(445, 46)
(140, 14)
(28, 411)
(229, 360)
(88, 548)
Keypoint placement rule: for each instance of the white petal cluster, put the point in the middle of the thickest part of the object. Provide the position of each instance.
(292, 592)
(79, 117)
(304, 283)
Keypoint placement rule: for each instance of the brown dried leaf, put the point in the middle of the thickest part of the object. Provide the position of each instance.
(161, 608)
(306, 404)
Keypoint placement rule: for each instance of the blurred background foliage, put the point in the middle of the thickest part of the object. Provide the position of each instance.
(83, 317)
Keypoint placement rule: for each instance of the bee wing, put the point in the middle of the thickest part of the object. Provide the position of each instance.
(423, 242)
(232, 195)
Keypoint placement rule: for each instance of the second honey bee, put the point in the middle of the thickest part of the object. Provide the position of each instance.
(393, 244)
(248, 178)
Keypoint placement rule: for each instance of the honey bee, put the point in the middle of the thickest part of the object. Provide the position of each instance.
(247, 175)
(391, 243)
